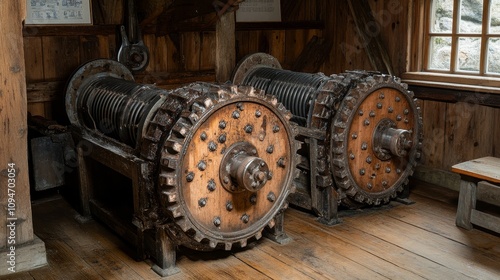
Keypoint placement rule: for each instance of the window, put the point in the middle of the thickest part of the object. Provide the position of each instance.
(459, 42)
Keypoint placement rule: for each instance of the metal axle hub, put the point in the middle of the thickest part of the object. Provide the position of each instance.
(245, 169)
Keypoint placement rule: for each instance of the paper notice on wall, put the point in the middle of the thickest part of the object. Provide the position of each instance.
(58, 12)
(259, 10)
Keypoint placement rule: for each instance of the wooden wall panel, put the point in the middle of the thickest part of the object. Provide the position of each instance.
(433, 114)
(207, 50)
(161, 54)
(34, 70)
(294, 44)
(254, 40)
(496, 133)
(61, 55)
(93, 47)
(467, 133)
(276, 42)
(151, 42)
(108, 11)
(190, 42)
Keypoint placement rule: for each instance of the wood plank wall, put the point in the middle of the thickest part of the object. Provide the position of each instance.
(453, 131)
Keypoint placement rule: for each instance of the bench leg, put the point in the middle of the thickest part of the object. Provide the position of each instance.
(466, 202)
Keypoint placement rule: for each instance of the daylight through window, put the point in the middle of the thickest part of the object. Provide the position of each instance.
(463, 36)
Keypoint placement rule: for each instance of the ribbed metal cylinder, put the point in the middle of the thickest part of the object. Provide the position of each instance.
(295, 90)
(116, 107)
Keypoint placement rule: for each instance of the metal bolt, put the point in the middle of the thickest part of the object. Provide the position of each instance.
(203, 136)
(281, 162)
(398, 171)
(276, 129)
(217, 221)
(387, 170)
(379, 105)
(269, 175)
(202, 202)
(258, 113)
(222, 138)
(229, 206)
(398, 117)
(212, 146)
(226, 180)
(377, 166)
(367, 122)
(222, 124)
(245, 218)
(254, 151)
(352, 156)
(406, 111)
(398, 99)
(381, 96)
(372, 114)
(190, 177)
(354, 136)
(271, 197)
(211, 185)
(364, 146)
(368, 159)
(240, 106)
(253, 199)
(248, 128)
(260, 176)
(236, 115)
(390, 110)
(369, 186)
(362, 171)
(384, 183)
(406, 120)
(202, 165)
(270, 149)
(360, 112)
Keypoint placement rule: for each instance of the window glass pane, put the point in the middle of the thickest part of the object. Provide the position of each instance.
(471, 16)
(469, 54)
(440, 53)
(442, 16)
(494, 56)
(495, 17)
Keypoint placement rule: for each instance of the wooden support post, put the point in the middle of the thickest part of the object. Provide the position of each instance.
(323, 198)
(165, 254)
(225, 50)
(85, 181)
(19, 248)
(277, 233)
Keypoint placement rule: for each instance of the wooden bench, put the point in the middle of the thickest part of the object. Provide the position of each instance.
(477, 183)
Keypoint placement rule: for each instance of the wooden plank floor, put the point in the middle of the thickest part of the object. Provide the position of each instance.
(418, 241)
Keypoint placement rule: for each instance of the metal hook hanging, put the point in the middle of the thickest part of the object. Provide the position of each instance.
(133, 53)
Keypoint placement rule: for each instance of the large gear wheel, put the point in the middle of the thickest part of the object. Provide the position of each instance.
(227, 167)
(376, 139)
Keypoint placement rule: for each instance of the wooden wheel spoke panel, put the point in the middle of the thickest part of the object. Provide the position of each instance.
(228, 166)
(376, 140)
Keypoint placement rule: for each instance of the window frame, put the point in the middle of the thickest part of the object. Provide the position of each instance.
(418, 71)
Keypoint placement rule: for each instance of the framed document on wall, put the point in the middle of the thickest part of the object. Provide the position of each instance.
(259, 11)
(60, 12)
